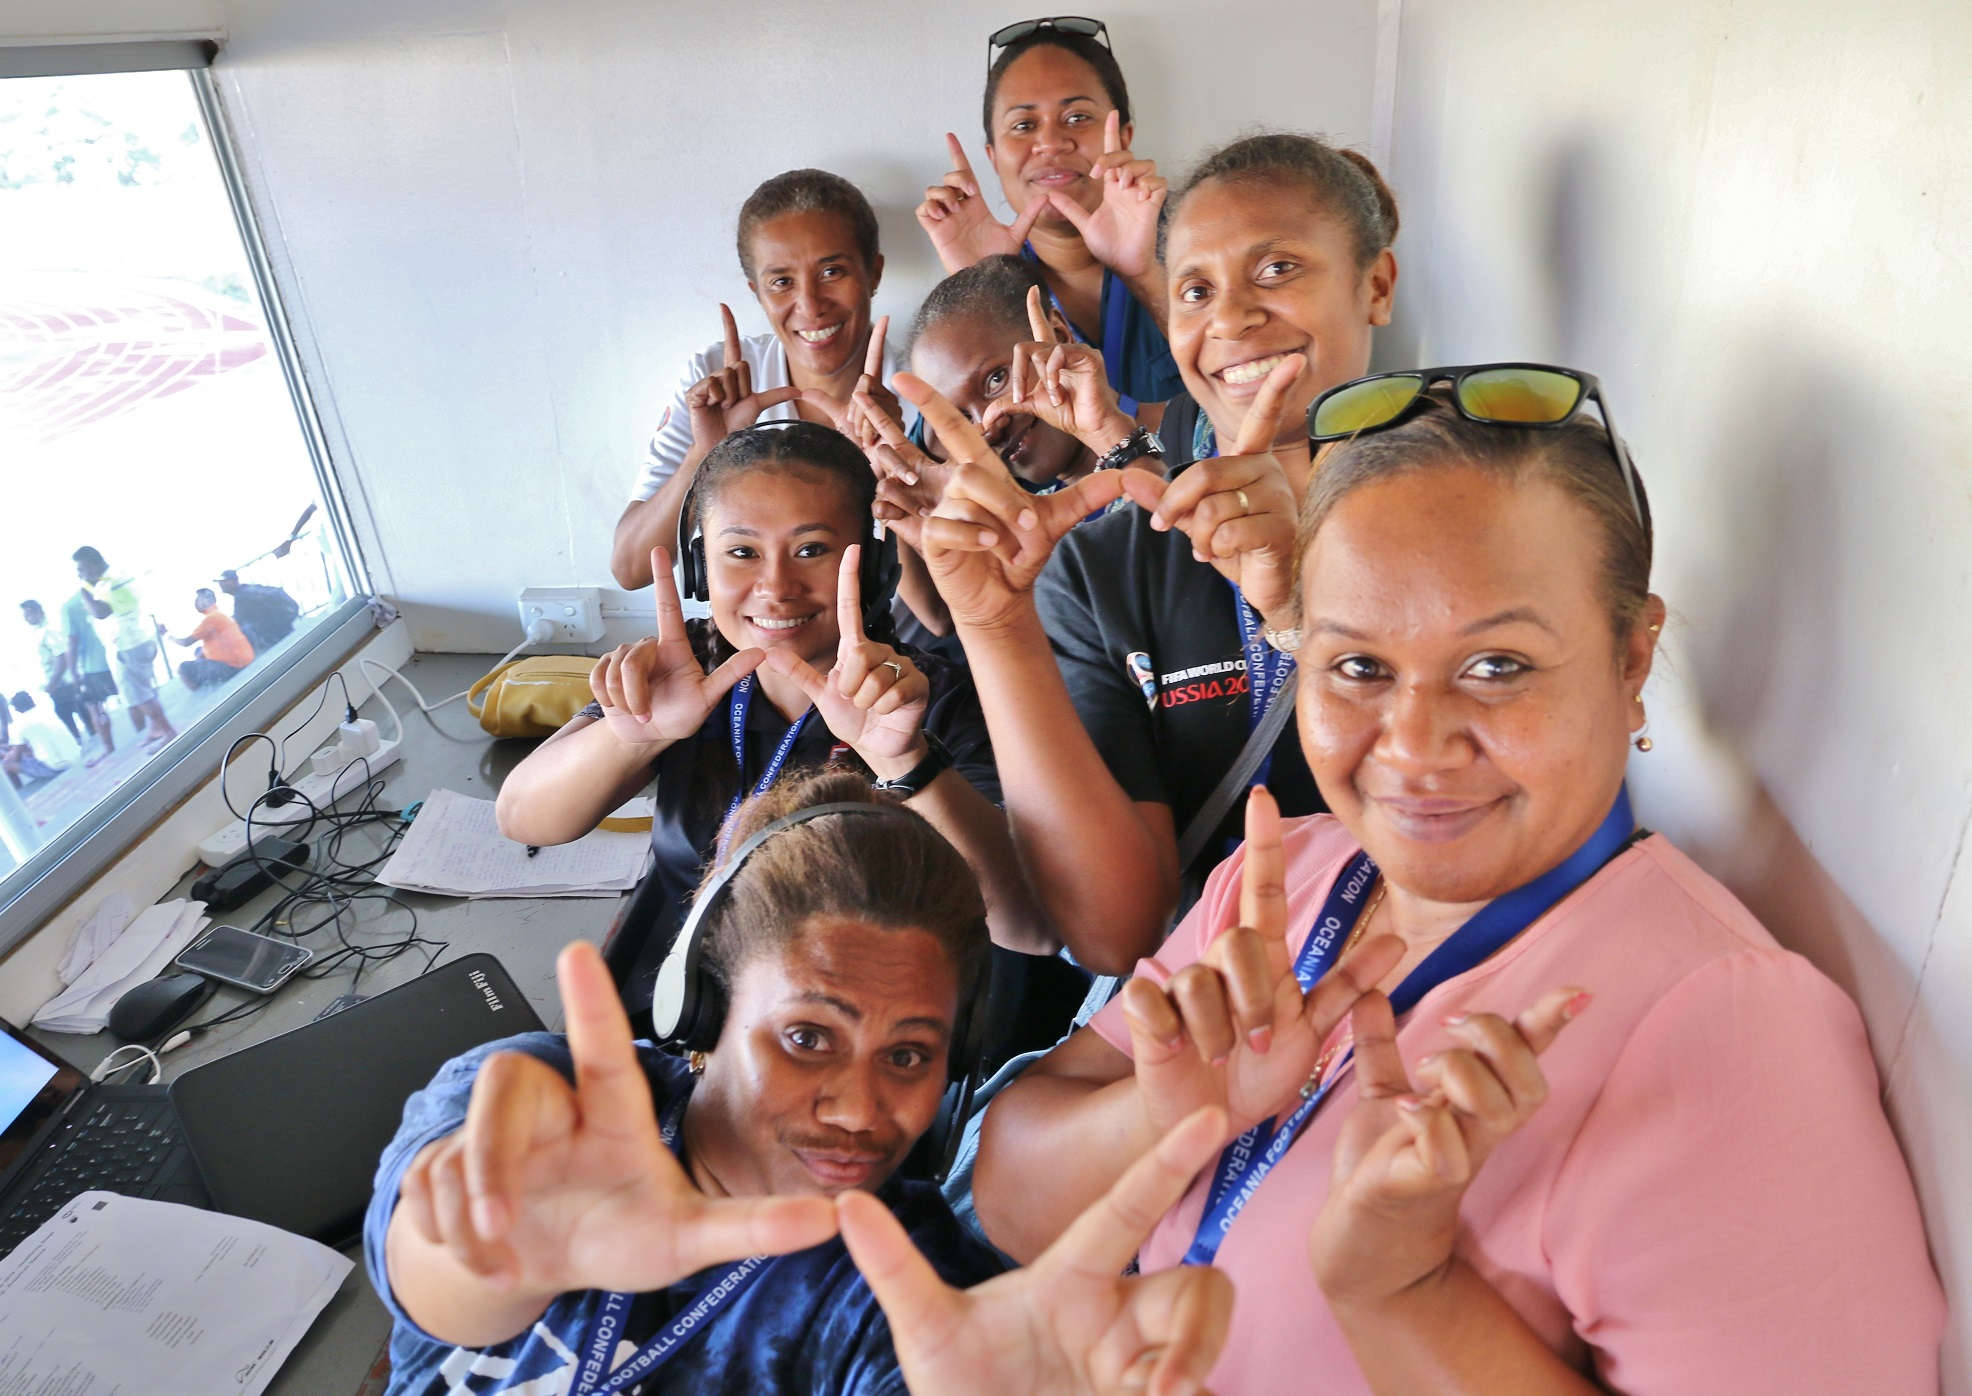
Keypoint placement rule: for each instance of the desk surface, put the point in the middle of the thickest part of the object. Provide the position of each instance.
(446, 750)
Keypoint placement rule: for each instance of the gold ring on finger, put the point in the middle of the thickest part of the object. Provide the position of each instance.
(1245, 504)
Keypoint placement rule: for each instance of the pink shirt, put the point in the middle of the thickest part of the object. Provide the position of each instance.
(1709, 1200)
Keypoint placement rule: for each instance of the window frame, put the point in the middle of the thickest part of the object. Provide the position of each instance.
(64, 867)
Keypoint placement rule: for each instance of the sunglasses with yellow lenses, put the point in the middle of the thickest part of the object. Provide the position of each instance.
(1513, 395)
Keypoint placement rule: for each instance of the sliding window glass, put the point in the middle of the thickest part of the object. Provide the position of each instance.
(169, 536)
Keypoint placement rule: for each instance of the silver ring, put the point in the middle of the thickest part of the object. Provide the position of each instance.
(893, 666)
(1245, 504)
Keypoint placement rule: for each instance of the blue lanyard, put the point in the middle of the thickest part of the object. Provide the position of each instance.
(1115, 309)
(1266, 670)
(594, 1377)
(737, 707)
(1247, 1161)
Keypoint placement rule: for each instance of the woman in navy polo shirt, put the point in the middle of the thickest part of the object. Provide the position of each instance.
(1058, 130)
(795, 668)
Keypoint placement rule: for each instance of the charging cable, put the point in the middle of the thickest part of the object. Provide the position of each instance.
(109, 1065)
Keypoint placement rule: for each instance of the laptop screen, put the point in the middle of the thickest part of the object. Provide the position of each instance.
(35, 1085)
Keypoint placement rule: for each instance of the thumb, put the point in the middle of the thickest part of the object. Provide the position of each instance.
(774, 397)
(1145, 489)
(923, 1310)
(1069, 209)
(1024, 224)
(787, 663)
(815, 397)
(1262, 425)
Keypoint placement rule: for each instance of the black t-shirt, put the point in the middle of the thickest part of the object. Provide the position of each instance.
(696, 782)
(1149, 643)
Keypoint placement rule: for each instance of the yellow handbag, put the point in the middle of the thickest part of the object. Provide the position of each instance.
(532, 697)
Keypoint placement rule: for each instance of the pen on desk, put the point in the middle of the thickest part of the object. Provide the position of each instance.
(532, 849)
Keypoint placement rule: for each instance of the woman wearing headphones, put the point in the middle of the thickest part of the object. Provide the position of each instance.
(1058, 130)
(794, 669)
(580, 1214)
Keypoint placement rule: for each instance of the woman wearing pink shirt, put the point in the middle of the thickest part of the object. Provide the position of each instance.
(1693, 1190)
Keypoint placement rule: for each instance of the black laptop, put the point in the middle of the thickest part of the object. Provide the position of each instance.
(287, 1131)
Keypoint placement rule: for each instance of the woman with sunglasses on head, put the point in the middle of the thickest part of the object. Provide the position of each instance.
(1662, 1200)
(796, 667)
(581, 1214)
(1124, 672)
(1058, 133)
(808, 248)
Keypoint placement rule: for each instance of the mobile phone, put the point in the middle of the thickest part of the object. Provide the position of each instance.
(244, 958)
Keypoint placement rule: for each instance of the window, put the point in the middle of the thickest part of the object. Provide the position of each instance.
(172, 547)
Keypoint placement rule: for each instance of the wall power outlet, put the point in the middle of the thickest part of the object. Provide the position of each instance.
(575, 612)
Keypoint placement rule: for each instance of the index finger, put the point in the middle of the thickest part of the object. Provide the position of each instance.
(959, 162)
(873, 360)
(1552, 1012)
(611, 1089)
(1112, 132)
(1104, 1238)
(849, 598)
(923, 1310)
(1037, 318)
(962, 441)
(1263, 876)
(1380, 1073)
(664, 588)
(1262, 424)
(733, 358)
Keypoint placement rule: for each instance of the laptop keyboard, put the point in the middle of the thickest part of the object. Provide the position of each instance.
(117, 1146)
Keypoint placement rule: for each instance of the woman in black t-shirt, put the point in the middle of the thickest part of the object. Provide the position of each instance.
(1117, 683)
(794, 669)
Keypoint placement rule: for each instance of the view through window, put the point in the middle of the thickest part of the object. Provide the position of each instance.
(164, 529)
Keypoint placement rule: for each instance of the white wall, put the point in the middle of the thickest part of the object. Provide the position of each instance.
(1749, 217)
(504, 225)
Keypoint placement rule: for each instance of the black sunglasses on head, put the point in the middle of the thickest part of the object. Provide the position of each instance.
(1507, 395)
(1063, 24)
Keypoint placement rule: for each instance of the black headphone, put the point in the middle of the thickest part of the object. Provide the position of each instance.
(687, 1007)
(879, 568)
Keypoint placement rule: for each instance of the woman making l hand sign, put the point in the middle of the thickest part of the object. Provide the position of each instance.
(808, 248)
(715, 711)
(1058, 129)
(1693, 1189)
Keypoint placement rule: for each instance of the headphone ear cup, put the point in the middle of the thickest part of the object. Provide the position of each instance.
(708, 1016)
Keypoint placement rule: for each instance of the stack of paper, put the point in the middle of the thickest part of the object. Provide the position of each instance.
(121, 1294)
(141, 950)
(455, 848)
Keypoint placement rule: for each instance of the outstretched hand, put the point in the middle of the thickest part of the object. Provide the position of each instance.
(654, 690)
(962, 228)
(1071, 1321)
(908, 481)
(723, 401)
(1239, 510)
(1234, 1030)
(988, 539)
(874, 698)
(550, 1187)
(1121, 231)
(1408, 1152)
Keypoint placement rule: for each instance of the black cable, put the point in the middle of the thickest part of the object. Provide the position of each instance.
(321, 697)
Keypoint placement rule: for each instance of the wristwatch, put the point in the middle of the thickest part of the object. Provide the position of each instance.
(1138, 444)
(937, 761)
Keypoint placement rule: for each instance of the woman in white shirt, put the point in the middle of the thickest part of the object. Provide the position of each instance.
(808, 247)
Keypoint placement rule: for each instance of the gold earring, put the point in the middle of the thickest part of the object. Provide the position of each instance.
(695, 1063)
(1641, 741)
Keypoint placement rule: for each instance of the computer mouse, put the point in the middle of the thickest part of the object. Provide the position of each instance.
(156, 1006)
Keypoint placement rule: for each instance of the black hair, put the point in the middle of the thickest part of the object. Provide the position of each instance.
(897, 873)
(795, 443)
(1577, 456)
(206, 591)
(22, 702)
(89, 555)
(808, 191)
(1084, 46)
(995, 286)
(1343, 183)
(36, 604)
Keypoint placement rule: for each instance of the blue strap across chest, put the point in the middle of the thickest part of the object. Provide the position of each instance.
(1246, 1162)
(595, 1376)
